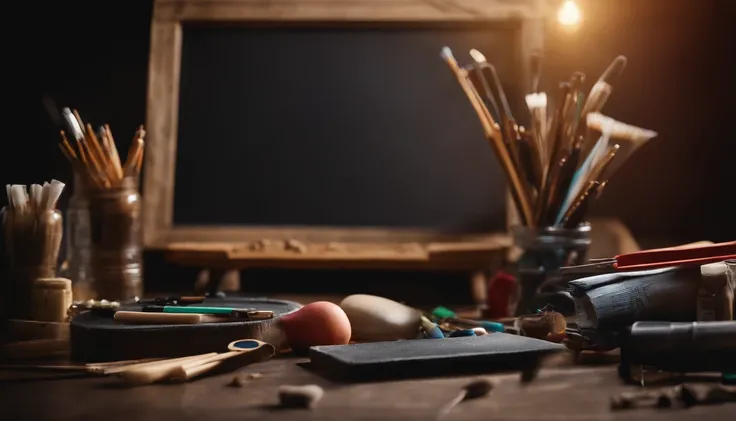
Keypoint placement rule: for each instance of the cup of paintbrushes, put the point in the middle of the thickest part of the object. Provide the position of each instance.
(32, 233)
(544, 251)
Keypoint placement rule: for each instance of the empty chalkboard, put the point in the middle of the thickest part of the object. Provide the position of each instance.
(360, 127)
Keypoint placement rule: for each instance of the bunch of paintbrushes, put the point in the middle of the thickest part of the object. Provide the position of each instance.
(94, 155)
(32, 227)
(559, 164)
(32, 232)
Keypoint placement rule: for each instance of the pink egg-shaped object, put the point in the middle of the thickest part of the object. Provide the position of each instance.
(318, 323)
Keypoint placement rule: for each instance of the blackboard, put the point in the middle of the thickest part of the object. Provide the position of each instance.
(360, 127)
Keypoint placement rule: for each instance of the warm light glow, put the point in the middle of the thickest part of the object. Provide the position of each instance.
(569, 14)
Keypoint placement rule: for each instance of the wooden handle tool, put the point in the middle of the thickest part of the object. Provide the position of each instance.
(242, 353)
(147, 373)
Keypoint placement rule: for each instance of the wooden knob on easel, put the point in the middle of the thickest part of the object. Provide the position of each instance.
(51, 298)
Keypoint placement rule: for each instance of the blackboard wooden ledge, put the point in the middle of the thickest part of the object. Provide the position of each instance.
(382, 249)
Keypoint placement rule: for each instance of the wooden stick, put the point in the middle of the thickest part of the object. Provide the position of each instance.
(139, 162)
(67, 146)
(104, 159)
(159, 370)
(115, 157)
(139, 134)
(43, 367)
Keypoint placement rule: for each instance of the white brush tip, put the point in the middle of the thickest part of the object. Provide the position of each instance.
(538, 100)
(477, 56)
(446, 53)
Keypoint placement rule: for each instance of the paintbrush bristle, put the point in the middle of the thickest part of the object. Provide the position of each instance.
(614, 70)
(477, 56)
(534, 101)
(617, 129)
(446, 53)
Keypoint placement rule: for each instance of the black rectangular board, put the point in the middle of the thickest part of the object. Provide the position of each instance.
(330, 126)
(429, 357)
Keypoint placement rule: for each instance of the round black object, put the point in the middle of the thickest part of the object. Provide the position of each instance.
(96, 337)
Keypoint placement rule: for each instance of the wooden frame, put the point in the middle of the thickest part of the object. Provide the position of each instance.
(163, 99)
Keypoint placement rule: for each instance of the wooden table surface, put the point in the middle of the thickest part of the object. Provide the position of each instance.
(564, 394)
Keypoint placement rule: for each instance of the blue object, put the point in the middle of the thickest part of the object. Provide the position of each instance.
(246, 344)
(492, 326)
(463, 332)
(434, 333)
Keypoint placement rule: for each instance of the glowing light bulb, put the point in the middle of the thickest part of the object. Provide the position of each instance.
(569, 14)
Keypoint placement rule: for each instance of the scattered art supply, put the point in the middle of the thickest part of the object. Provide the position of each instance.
(97, 306)
(374, 318)
(241, 353)
(444, 314)
(240, 313)
(51, 299)
(681, 396)
(303, 397)
(473, 390)
(463, 332)
(174, 300)
(431, 329)
(151, 318)
(318, 323)
(680, 347)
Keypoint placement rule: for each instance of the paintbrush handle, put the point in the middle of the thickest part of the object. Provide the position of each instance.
(228, 360)
(159, 370)
(579, 207)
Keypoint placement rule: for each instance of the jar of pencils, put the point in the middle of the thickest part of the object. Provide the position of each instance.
(544, 251)
(115, 255)
(104, 253)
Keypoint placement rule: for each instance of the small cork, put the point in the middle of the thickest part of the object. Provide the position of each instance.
(51, 299)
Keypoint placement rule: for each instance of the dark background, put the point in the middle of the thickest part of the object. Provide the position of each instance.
(679, 82)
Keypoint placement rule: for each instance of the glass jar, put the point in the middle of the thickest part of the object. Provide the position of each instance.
(77, 241)
(31, 251)
(544, 251)
(105, 251)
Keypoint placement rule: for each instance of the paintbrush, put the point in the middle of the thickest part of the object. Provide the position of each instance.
(580, 206)
(493, 134)
(599, 94)
(478, 68)
(489, 126)
(590, 171)
(535, 69)
(537, 104)
(557, 154)
(629, 137)
(509, 126)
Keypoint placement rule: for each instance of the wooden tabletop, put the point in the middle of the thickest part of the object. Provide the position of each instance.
(558, 394)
